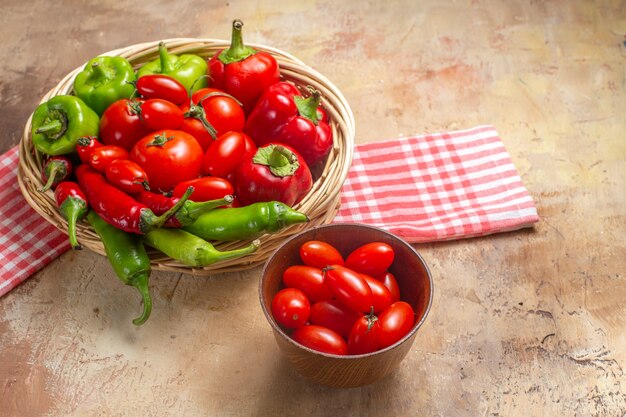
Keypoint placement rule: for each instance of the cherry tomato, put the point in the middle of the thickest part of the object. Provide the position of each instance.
(372, 259)
(389, 281)
(349, 287)
(309, 280)
(120, 124)
(85, 146)
(364, 335)
(157, 114)
(381, 296)
(162, 86)
(320, 254)
(291, 308)
(334, 315)
(395, 322)
(225, 154)
(196, 129)
(204, 188)
(102, 156)
(127, 176)
(321, 339)
(221, 110)
(169, 157)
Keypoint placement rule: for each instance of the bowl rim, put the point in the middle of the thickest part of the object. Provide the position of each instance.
(409, 335)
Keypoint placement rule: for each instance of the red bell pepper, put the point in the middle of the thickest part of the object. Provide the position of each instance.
(283, 115)
(72, 204)
(242, 71)
(55, 170)
(275, 172)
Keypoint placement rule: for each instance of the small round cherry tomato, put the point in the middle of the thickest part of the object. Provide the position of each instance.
(127, 176)
(85, 146)
(349, 287)
(320, 254)
(102, 157)
(334, 315)
(162, 86)
(291, 308)
(364, 335)
(224, 154)
(157, 114)
(120, 124)
(381, 296)
(196, 129)
(321, 339)
(395, 322)
(372, 258)
(389, 281)
(204, 188)
(309, 280)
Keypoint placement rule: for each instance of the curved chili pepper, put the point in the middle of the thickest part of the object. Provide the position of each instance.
(55, 170)
(72, 204)
(118, 208)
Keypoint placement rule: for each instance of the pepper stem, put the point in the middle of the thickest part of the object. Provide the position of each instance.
(140, 282)
(307, 107)
(52, 176)
(237, 51)
(281, 161)
(213, 255)
(98, 72)
(196, 209)
(166, 64)
(197, 112)
(152, 221)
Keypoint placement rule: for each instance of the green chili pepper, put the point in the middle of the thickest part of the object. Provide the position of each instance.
(59, 122)
(129, 259)
(186, 68)
(191, 250)
(245, 222)
(105, 80)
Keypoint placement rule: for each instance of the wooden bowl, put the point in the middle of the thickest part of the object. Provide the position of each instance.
(416, 288)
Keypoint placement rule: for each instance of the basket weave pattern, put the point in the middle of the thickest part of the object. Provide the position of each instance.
(320, 204)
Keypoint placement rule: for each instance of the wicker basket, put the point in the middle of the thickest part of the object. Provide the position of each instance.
(320, 204)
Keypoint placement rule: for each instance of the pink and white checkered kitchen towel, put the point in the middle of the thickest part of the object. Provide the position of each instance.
(437, 187)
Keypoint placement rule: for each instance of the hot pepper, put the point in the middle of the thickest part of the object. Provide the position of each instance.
(72, 204)
(283, 115)
(118, 208)
(85, 146)
(243, 223)
(129, 260)
(243, 71)
(186, 68)
(55, 170)
(105, 80)
(58, 123)
(190, 249)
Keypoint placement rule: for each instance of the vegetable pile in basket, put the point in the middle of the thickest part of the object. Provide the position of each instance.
(183, 152)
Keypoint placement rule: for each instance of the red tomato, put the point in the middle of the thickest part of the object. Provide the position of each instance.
(349, 287)
(120, 124)
(381, 296)
(158, 114)
(290, 308)
(163, 87)
(225, 154)
(389, 281)
(221, 110)
(320, 254)
(169, 157)
(395, 322)
(321, 339)
(102, 156)
(364, 336)
(85, 146)
(372, 259)
(127, 176)
(204, 189)
(309, 280)
(334, 315)
(196, 129)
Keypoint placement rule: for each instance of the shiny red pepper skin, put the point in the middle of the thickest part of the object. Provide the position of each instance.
(72, 204)
(85, 146)
(159, 204)
(283, 115)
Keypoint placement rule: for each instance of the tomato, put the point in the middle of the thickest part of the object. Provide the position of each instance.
(395, 322)
(196, 129)
(389, 281)
(85, 146)
(320, 254)
(372, 259)
(349, 287)
(204, 189)
(225, 154)
(321, 339)
(309, 280)
(381, 296)
(163, 87)
(120, 124)
(334, 315)
(169, 157)
(127, 176)
(222, 111)
(364, 335)
(102, 156)
(291, 308)
(158, 114)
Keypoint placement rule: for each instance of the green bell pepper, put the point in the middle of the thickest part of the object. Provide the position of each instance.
(105, 80)
(58, 123)
(190, 70)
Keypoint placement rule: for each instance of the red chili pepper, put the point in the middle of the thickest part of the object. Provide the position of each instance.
(118, 208)
(283, 115)
(73, 206)
(55, 170)
(85, 146)
(242, 71)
